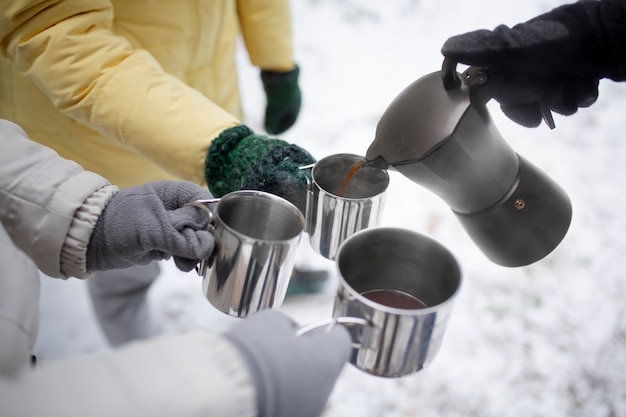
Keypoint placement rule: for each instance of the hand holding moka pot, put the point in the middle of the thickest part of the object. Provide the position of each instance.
(438, 133)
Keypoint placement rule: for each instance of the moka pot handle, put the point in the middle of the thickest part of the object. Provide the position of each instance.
(483, 85)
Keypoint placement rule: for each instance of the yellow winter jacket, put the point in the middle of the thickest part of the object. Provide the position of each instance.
(134, 90)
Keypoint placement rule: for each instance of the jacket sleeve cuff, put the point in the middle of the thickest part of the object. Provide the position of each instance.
(73, 261)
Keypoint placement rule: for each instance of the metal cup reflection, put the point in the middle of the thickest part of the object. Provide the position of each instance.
(257, 235)
(336, 209)
(395, 341)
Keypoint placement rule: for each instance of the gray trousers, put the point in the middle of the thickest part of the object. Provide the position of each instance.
(120, 302)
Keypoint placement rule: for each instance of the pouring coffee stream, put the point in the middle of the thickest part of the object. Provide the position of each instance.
(439, 134)
(353, 170)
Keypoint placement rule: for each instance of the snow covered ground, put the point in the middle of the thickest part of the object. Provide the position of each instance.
(544, 340)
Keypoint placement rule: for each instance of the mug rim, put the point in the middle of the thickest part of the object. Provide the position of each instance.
(265, 196)
(395, 310)
(356, 157)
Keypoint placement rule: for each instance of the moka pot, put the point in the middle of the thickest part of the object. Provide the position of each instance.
(439, 134)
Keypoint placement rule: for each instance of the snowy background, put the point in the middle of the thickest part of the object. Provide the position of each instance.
(544, 340)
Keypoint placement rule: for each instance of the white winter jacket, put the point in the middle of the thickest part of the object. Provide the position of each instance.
(48, 207)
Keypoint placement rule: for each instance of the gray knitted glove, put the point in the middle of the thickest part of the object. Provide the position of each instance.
(294, 376)
(148, 223)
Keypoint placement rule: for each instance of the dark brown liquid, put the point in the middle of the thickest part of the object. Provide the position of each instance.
(395, 299)
(353, 170)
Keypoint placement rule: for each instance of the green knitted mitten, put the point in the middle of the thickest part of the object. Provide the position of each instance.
(238, 159)
(283, 99)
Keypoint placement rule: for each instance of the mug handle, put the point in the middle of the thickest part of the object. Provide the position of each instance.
(484, 84)
(308, 215)
(205, 264)
(328, 324)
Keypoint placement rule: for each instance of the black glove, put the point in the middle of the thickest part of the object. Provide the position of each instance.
(294, 376)
(283, 99)
(556, 58)
(150, 222)
(238, 159)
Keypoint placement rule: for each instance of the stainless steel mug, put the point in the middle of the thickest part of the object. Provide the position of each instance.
(341, 200)
(257, 235)
(395, 295)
